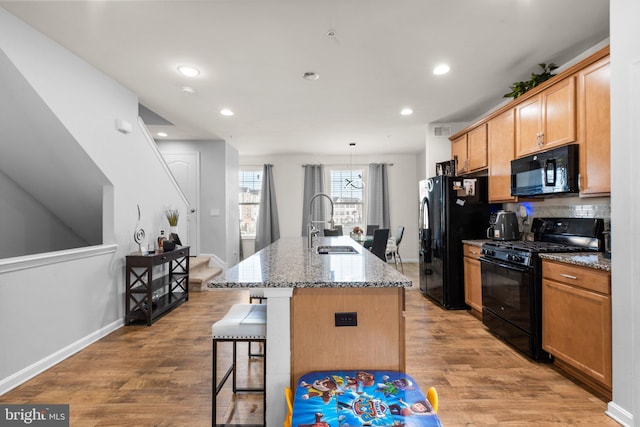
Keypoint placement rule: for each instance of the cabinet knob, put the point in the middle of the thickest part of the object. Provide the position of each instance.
(568, 276)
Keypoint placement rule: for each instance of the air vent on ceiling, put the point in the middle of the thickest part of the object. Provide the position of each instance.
(442, 131)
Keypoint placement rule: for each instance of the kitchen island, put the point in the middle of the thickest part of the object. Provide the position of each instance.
(308, 294)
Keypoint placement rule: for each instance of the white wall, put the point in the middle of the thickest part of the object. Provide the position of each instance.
(625, 203)
(403, 189)
(72, 191)
(46, 312)
(232, 182)
(438, 148)
(27, 226)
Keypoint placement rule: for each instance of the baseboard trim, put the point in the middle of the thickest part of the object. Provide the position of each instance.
(53, 359)
(619, 414)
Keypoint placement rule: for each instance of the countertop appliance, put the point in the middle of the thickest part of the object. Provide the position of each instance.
(550, 172)
(512, 278)
(454, 209)
(503, 225)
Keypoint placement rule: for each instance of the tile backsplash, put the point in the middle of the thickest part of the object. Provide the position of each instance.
(563, 207)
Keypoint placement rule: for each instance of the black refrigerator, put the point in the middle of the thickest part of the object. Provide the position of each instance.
(454, 209)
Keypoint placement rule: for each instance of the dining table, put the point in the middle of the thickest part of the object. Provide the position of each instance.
(344, 398)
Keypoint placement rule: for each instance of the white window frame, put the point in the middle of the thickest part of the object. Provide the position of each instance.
(365, 170)
(249, 168)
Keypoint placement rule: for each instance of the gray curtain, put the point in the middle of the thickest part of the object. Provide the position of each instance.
(268, 227)
(378, 195)
(313, 184)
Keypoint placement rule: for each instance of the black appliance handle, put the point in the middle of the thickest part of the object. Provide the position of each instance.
(503, 265)
(426, 238)
(550, 173)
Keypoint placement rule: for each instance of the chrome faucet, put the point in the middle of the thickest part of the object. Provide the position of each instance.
(312, 231)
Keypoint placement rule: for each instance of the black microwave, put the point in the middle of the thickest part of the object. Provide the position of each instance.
(550, 172)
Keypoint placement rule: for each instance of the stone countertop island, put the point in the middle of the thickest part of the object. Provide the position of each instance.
(309, 296)
(288, 263)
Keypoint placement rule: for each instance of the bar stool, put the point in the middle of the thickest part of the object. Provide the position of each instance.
(242, 323)
(256, 294)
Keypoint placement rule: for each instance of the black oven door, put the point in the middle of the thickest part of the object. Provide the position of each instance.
(506, 292)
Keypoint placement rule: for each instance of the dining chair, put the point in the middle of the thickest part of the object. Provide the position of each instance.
(432, 397)
(328, 232)
(393, 245)
(379, 245)
(371, 229)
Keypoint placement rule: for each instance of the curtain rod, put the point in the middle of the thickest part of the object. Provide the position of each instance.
(388, 164)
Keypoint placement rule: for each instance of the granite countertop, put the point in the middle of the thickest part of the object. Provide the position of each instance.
(584, 259)
(288, 263)
(478, 242)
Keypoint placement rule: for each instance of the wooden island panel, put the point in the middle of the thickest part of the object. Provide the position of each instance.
(377, 342)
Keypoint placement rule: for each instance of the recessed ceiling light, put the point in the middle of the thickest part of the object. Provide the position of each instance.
(188, 70)
(441, 69)
(162, 134)
(226, 112)
(309, 75)
(406, 111)
(188, 89)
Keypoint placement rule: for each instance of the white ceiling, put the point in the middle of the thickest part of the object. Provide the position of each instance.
(252, 54)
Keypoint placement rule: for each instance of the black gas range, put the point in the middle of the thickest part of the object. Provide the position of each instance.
(512, 278)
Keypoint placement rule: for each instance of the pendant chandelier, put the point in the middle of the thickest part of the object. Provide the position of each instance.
(352, 183)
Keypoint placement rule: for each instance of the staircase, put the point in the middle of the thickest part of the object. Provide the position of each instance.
(200, 273)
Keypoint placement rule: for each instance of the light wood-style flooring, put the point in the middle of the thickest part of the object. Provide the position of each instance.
(160, 375)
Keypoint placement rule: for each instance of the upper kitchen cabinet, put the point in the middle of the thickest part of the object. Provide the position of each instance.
(572, 107)
(470, 150)
(594, 128)
(548, 119)
(500, 141)
(459, 154)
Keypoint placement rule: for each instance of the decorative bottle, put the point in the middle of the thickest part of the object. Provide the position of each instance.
(161, 239)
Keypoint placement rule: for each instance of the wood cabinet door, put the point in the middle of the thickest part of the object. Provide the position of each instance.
(477, 147)
(594, 120)
(528, 126)
(559, 113)
(472, 278)
(459, 152)
(576, 328)
(500, 141)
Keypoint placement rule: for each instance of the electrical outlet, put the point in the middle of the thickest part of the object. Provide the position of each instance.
(347, 319)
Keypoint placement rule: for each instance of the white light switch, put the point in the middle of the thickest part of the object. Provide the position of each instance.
(214, 212)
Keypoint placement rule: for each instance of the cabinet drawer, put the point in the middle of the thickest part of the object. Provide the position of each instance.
(583, 277)
(471, 251)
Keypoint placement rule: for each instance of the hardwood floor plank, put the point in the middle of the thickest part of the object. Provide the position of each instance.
(160, 375)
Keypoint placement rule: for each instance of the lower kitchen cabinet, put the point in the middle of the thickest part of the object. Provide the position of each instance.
(472, 278)
(576, 322)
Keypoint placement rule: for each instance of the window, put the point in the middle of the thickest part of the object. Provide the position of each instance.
(249, 198)
(347, 193)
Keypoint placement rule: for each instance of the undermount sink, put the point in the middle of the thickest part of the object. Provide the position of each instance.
(333, 250)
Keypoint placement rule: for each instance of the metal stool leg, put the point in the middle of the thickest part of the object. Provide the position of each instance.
(214, 384)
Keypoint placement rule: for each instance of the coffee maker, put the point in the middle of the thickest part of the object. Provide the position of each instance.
(503, 225)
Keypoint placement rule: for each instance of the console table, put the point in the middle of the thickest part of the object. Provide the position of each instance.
(152, 290)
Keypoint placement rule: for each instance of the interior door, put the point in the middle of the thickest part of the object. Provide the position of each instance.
(186, 169)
